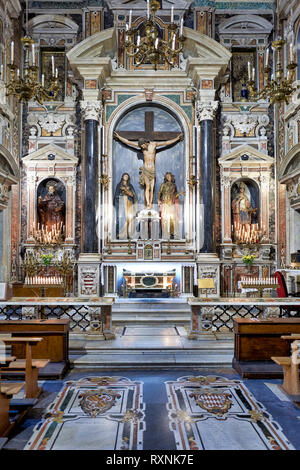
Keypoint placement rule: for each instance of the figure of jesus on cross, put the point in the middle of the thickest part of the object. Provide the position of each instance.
(148, 142)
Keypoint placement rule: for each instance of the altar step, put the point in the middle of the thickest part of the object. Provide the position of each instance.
(154, 347)
(134, 312)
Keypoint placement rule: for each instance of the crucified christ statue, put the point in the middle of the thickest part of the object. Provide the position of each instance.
(148, 148)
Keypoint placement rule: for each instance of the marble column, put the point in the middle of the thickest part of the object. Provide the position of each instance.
(205, 113)
(91, 113)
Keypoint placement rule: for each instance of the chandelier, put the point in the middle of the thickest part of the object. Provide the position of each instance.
(25, 85)
(278, 88)
(151, 48)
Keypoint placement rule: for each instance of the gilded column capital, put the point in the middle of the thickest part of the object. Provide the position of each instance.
(206, 110)
(91, 110)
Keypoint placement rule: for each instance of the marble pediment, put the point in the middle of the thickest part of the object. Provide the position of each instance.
(245, 155)
(93, 58)
(50, 155)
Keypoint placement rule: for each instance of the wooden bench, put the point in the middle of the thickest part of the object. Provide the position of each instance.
(256, 341)
(7, 391)
(290, 367)
(28, 366)
(55, 344)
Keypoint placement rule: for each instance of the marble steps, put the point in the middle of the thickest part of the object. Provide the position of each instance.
(153, 352)
(143, 359)
(135, 313)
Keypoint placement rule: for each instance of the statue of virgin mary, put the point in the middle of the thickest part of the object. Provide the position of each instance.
(126, 206)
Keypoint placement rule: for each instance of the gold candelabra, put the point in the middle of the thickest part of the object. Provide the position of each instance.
(151, 48)
(26, 86)
(278, 88)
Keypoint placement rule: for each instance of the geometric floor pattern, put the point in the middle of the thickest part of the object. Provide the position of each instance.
(214, 413)
(93, 413)
(196, 412)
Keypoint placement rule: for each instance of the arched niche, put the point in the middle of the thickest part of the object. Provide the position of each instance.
(245, 207)
(52, 28)
(50, 163)
(51, 204)
(152, 118)
(249, 164)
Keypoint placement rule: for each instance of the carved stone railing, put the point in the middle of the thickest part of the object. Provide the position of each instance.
(216, 315)
(90, 317)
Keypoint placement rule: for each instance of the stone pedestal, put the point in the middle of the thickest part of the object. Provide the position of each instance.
(89, 274)
(149, 224)
(208, 266)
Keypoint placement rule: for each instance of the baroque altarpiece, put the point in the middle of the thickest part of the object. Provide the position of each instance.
(142, 181)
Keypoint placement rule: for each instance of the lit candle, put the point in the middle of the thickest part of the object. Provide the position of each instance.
(18, 73)
(267, 57)
(33, 55)
(148, 9)
(138, 40)
(249, 71)
(253, 74)
(156, 43)
(53, 67)
(130, 19)
(43, 80)
(291, 52)
(12, 45)
(173, 42)
(181, 27)
(56, 73)
(172, 15)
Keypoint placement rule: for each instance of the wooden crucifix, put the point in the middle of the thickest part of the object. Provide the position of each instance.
(148, 141)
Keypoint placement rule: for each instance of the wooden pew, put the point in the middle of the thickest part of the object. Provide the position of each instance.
(55, 346)
(28, 366)
(7, 390)
(290, 367)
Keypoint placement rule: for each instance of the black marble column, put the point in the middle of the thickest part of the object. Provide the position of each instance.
(207, 184)
(90, 186)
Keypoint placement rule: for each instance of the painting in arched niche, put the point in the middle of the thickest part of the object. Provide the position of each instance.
(155, 124)
(245, 211)
(51, 206)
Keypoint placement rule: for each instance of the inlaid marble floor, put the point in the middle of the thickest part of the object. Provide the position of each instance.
(156, 410)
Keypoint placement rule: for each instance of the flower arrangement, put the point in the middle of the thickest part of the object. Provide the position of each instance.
(248, 259)
(47, 259)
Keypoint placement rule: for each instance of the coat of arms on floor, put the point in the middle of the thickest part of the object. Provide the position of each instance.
(215, 413)
(93, 413)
